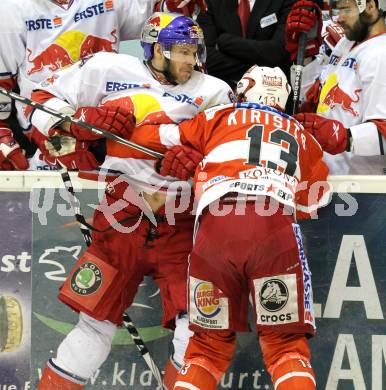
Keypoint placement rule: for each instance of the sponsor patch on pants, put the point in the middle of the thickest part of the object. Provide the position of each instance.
(209, 308)
(88, 281)
(276, 300)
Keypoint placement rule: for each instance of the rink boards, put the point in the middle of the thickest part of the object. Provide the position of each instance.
(39, 243)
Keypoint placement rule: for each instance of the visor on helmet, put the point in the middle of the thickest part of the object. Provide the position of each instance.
(346, 8)
(185, 52)
(171, 29)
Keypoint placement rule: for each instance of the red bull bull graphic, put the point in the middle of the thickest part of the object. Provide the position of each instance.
(69, 48)
(156, 21)
(336, 96)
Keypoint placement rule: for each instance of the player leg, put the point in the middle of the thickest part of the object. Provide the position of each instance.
(79, 355)
(101, 286)
(218, 301)
(208, 356)
(287, 358)
(282, 295)
(180, 341)
(168, 251)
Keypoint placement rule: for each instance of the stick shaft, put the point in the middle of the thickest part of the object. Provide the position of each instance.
(85, 125)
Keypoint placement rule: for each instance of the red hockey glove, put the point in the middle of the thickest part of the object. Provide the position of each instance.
(11, 155)
(115, 120)
(179, 161)
(333, 34)
(304, 15)
(187, 7)
(62, 149)
(331, 134)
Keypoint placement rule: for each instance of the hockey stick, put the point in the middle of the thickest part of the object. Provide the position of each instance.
(300, 65)
(93, 129)
(127, 321)
(299, 71)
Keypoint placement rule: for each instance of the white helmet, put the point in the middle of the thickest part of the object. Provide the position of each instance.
(268, 86)
(361, 4)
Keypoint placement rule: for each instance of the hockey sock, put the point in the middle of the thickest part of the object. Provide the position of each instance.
(207, 357)
(171, 372)
(197, 374)
(293, 372)
(287, 358)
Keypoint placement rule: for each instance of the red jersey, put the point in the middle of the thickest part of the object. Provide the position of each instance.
(250, 149)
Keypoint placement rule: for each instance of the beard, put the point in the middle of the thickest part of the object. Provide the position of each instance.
(358, 32)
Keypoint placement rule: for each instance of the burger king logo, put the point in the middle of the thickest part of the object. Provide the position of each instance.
(207, 303)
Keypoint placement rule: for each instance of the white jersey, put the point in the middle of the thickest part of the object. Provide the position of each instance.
(113, 79)
(38, 37)
(353, 91)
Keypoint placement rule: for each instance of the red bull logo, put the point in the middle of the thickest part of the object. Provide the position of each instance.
(156, 21)
(336, 96)
(69, 48)
(49, 80)
(195, 32)
(205, 299)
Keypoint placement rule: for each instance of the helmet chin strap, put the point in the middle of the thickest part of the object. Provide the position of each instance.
(166, 73)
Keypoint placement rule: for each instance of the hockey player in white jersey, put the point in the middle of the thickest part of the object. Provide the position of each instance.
(164, 88)
(350, 119)
(42, 36)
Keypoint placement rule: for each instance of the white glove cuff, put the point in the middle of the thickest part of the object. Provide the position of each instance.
(44, 121)
(366, 140)
(5, 107)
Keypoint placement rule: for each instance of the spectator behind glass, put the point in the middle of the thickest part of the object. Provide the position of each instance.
(230, 51)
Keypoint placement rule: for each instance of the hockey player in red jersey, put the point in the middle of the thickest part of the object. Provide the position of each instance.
(346, 88)
(260, 171)
(32, 46)
(133, 234)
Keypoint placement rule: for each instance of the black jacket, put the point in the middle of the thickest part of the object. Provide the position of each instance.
(229, 55)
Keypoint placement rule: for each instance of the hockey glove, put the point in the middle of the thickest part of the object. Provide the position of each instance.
(115, 120)
(187, 7)
(332, 35)
(331, 134)
(11, 155)
(304, 15)
(61, 149)
(179, 161)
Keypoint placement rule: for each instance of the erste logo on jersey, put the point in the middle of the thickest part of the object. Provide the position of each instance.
(113, 86)
(276, 300)
(89, 12)
(208, 306)
(348, 62)
(182, 98)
